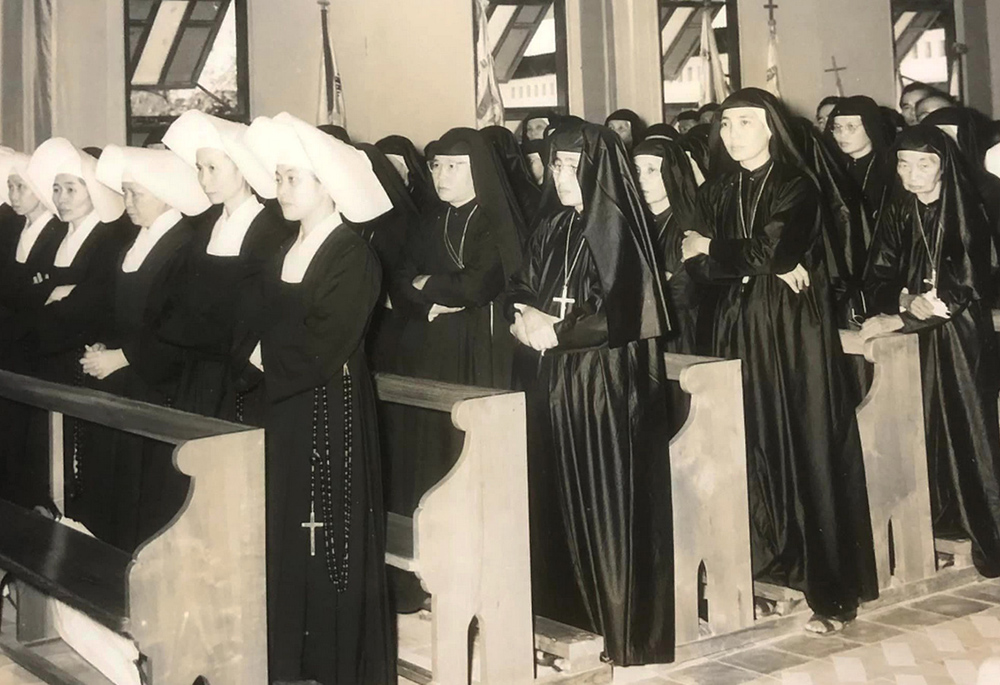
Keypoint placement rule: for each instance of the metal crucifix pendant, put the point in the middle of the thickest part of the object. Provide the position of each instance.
(312, 524)
(564, 301)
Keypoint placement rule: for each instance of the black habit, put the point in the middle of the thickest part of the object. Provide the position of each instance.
(809, 522)
(141, 489)
(208, 298)
(598, 464)
(328, 615)
(947, 242)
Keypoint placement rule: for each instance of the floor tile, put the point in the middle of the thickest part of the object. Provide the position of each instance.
(714, 673)
(765, 660)
(984, 592)
(906, 618)
(815, 646)
(867, 632)
(950, 605)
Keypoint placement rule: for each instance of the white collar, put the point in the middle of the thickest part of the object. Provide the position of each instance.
(29, 236)
(148, 238)
(74, 240)
(230, 230)
(302, 252)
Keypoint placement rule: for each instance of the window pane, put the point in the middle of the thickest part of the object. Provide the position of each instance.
(921, 33)
(138, 10)
(188, 54)
(680, 38)
(206, 10)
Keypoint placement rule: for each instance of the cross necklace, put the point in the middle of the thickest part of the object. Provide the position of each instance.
(748, 228)
(932, 281)
(457, 256)
(565, 300)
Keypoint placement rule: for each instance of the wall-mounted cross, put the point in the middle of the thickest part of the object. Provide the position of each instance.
(836, 73)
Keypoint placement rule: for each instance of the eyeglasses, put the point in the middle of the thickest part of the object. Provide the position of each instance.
(850, 129)
(439, 167)
(558, 167)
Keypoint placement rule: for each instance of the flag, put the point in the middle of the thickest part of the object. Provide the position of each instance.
(714, 87)
(773, 82)
(489, 102)
(331, 89)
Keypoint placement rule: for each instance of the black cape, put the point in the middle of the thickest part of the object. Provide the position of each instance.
(601, 513)
(328, 615)
(809, 522)
(960, 366)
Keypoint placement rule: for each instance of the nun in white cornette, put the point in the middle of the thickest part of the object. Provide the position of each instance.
(223, 264)
(329, 618)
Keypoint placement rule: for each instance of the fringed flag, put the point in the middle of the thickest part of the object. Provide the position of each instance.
(714, 87)
(331, 88)
(773, 84)
(489, 102)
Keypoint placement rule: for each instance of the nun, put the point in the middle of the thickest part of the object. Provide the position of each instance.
(586, 308)
(412, 168)
(134, 489)
(328, 612)
(628, 125)
(209, 295)
(930, 273)
(761, 241)
(669, 189)
(860, 130)
(76, 294)
(31, 234)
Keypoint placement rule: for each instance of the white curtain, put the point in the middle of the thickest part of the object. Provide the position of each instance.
(26, 68)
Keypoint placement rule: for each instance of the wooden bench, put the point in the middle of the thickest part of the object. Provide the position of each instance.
(891, 422)
(469, 540)
(708, 471)
(192, 597)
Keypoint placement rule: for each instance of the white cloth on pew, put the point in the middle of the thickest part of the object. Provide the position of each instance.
(110, 653)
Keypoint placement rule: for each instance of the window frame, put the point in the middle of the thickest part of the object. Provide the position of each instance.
(135, 125)
(562, 59)
(731, 8)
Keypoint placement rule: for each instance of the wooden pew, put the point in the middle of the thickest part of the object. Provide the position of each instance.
(469, 540)
(891, 422)
(708, 470)
(192, 597)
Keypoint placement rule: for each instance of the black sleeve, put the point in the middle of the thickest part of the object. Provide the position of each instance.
(476, 285)
(780, 245)
(885, 275)
(586, 324)
(153, 359)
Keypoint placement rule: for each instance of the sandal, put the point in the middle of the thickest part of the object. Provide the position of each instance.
(825, 625)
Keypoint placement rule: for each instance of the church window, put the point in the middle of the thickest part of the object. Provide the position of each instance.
(924, 40)
(680, 44)
(181, 55)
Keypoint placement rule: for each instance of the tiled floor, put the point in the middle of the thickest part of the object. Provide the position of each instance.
(943, 639)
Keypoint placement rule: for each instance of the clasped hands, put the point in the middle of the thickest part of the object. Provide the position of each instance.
(534, 328)
(436, 309)
(100, 362)
(695, 244)
(925, 306)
